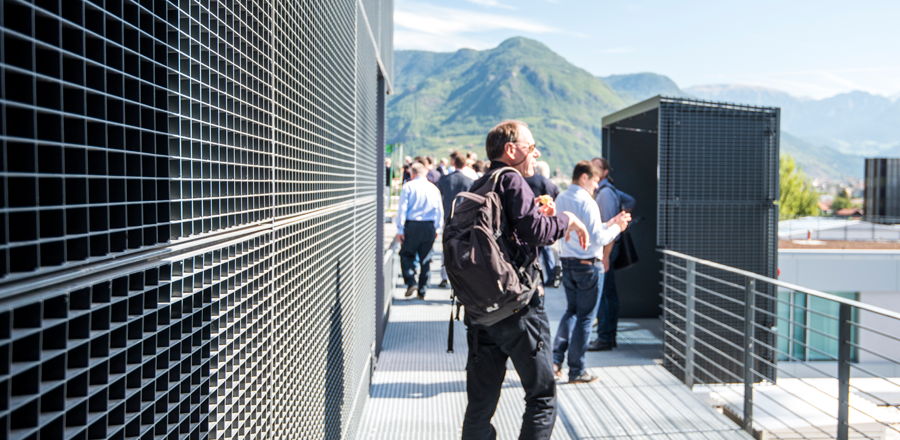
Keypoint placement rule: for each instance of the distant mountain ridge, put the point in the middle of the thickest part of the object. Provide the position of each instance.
(636, 87)
(856, 123)
(445, 101)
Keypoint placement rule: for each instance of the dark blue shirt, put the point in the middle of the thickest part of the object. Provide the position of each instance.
(528, 227)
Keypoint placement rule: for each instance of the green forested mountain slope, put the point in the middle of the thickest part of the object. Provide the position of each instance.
(444, 101)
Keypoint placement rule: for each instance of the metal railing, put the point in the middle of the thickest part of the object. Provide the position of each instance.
(866, 228)
(823, 366)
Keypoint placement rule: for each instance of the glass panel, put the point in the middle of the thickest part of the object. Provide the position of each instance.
(783, 329)
(824, 347)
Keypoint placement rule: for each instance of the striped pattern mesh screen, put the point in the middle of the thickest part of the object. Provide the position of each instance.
(718, 181)
(187, 231)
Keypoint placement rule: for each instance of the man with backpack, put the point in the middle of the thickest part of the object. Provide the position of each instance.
(611, 201)
(491, 244)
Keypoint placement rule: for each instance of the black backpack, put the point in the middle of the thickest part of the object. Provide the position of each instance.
(481, 269)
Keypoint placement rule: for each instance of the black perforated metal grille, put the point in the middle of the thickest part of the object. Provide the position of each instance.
(188, 226)
(718, 181)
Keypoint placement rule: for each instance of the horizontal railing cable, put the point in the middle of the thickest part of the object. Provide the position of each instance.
(719, 343)
(789, 286)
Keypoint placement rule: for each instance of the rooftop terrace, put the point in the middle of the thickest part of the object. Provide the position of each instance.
(418, 389)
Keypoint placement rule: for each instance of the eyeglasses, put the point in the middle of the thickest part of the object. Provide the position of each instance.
(531, 147)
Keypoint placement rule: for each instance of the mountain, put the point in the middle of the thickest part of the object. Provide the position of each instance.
(445, 101)
(635, 87)
(822, 161)
(744, 95)
(856, 123)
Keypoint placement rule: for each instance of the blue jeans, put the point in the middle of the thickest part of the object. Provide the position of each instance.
(582, 283)
(608, 312)
(548, 259)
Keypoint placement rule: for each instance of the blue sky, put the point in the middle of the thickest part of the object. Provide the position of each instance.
(807, 48)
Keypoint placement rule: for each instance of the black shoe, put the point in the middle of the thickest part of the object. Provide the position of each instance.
(444, 284)
(410, 291)
(596, 345)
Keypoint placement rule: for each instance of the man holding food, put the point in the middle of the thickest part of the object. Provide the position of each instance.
(582, 271)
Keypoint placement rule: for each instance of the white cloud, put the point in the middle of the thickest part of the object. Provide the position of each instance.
(429, 27)
(491, 4)
(415, 40)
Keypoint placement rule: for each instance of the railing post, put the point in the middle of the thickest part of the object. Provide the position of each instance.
(749, 317)
(689, 324)
(843, 425)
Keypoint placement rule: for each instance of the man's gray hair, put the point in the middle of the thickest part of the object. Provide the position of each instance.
(417, 169)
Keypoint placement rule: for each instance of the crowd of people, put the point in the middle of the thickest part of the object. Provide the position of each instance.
(586, 220)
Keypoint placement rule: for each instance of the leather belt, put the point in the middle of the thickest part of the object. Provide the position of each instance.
(581, 260)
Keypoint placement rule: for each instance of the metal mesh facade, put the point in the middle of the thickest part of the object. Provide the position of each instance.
(716, 185)
(882, 193)
(188, 233)
(718, 182)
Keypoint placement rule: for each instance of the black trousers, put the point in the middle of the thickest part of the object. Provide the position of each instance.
(418, 239)
(608, 311)
(524, 338)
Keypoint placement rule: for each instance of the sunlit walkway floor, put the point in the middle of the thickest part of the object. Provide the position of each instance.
(418, 389)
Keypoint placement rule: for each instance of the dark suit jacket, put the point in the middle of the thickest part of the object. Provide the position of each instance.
(451, 185)
(541, 185)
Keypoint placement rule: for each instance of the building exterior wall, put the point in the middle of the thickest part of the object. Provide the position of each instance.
(189, 211)
(873, 274)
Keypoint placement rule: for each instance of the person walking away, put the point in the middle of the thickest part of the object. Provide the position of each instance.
(582, 271)
(420, 217)
(611, 201)
(541, 185)
(451, 185)
(524, 336)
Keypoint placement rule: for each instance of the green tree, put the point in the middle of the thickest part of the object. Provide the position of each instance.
(841, 201)
(798, 198)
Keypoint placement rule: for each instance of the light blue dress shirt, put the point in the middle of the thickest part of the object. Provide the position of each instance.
(579, 202)
(420, 201)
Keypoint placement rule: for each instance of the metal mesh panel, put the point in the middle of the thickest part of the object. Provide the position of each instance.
(85, 129)
(718, 179)
(187, 233)
(882, 190)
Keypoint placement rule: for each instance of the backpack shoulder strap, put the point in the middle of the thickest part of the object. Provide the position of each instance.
(495, 176)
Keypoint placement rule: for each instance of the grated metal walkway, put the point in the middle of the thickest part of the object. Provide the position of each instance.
(418, 389)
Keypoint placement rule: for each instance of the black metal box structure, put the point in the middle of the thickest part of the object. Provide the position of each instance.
(190, 216)
(882, 190)
(705, 175)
